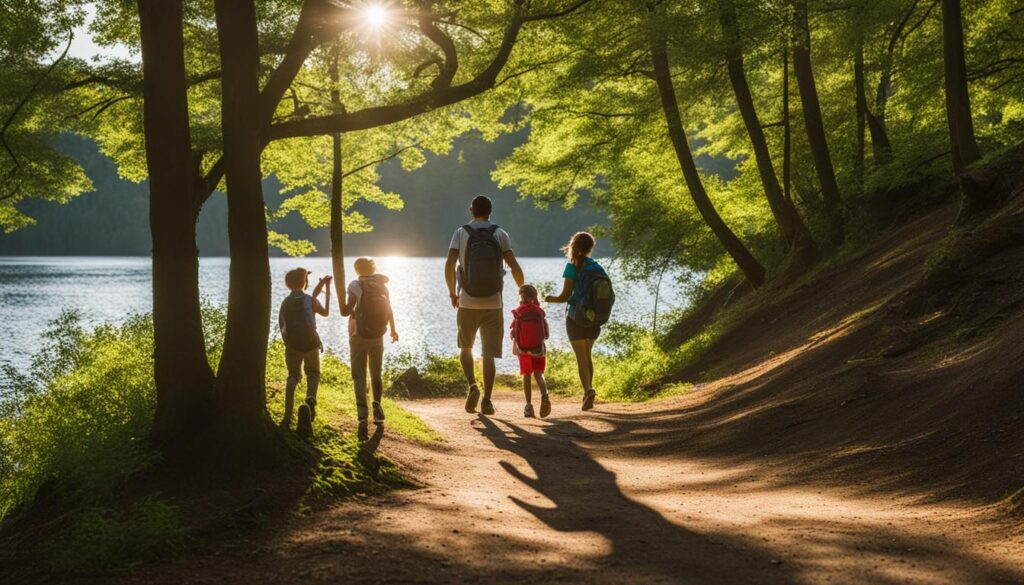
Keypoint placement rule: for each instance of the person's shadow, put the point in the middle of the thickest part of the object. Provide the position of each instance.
(368, 451)
(644, 545)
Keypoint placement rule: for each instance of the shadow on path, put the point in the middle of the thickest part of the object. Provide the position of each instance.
(644, 545)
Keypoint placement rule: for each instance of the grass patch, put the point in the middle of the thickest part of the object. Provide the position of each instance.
(336, 399)
(101, 537)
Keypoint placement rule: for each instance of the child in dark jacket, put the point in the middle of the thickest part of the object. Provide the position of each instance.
(529, 330)
(297, 320)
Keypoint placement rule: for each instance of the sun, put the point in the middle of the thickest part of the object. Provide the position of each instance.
(375, 16)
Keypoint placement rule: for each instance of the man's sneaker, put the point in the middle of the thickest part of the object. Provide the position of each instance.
(364, 431)
(304, 427)
(311, 403)
(588, 400)
(545, 406)
(528, 411)
(378, 414)
(486, 407)
(472, 399)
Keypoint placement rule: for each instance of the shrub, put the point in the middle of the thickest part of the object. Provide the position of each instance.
(81, 414)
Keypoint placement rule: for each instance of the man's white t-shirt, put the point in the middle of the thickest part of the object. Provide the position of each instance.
(459, 241)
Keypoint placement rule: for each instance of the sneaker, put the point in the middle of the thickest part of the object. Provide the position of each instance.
(471, 400)
(528, 411)
(545, 406)
(486, 407)
(364, 431)
(304, 426)
(588, 399)
(378, 414)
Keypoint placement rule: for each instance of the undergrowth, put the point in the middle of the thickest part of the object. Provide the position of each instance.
(76, 423)
(629, 363)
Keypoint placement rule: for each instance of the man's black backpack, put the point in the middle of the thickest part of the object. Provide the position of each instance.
(482, 274)
(594, 306)
(373, 312)
(299, 331)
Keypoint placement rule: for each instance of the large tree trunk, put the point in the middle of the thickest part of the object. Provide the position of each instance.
(184, 380)
(337, 210)
(240, 387)
(958, 100)
(958, 111)
(813, 121)
(751, 268)
(794, 233)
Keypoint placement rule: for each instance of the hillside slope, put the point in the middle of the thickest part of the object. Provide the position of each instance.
(900, 369)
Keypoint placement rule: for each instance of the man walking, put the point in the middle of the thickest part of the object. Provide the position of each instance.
(475, 273)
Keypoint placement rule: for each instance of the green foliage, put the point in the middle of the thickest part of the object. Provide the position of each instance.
(104, 538)
(80, 417)
(81, 414)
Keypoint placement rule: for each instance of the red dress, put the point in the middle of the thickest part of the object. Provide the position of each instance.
(528, 331)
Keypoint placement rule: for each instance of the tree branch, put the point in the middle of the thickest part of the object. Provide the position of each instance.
(380, 160)
(450, 65)
(383, 115)
(17, 110)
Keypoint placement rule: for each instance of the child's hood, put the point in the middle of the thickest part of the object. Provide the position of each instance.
(377, 277)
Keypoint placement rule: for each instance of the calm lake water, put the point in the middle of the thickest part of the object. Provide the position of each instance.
(34, 291)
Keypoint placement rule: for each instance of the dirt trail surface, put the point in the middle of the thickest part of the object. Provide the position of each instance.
(573, 499)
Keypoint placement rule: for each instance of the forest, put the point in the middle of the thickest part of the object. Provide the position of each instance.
(845, 178)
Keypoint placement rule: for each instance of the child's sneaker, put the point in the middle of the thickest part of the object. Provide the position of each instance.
(304, 426)
(588, 400)
(545, 406)
(378, 414)
(486, 406)
(528, 411)
(471, 400)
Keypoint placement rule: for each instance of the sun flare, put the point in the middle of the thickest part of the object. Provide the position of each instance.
(375, 15)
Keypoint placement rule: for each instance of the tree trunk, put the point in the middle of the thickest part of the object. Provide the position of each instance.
(813, 121)
(751, 268)
(794, 233)
(958, 99)
(975, 196)
(787, 129)
(881, 146)
(861, 112)
(337, 210)
(240, 387)
(183, 377)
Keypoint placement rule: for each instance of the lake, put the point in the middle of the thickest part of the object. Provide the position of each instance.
(34, 291)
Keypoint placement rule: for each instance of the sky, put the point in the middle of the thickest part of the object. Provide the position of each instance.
(83, 47)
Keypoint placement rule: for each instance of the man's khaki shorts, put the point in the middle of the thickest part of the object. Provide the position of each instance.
(490, 323)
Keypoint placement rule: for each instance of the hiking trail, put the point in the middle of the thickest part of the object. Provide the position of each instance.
(588, 497)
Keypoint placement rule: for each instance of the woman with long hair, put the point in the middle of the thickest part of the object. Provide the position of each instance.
(581, 337)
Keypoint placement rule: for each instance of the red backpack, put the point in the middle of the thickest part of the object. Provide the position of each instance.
(529, 328)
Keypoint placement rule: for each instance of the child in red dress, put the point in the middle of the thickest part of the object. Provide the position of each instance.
(529, 330)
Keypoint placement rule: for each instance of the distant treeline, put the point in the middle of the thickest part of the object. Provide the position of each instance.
(114, 220)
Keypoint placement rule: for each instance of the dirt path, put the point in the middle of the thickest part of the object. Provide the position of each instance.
(515, 500)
